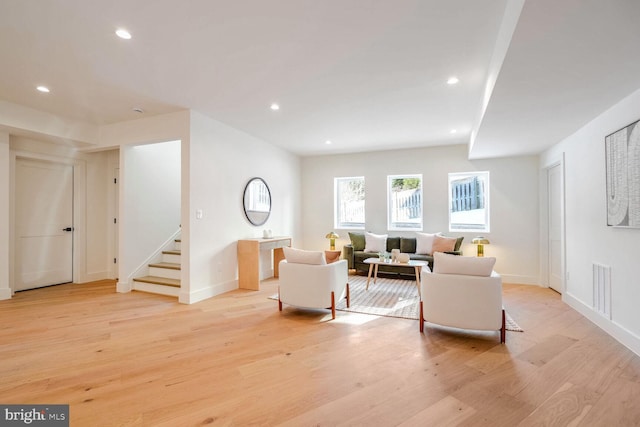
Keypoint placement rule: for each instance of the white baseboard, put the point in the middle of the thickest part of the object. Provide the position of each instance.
(205, 293)
(520, 280)
(617, 331)
(5, 293)
(123, 287)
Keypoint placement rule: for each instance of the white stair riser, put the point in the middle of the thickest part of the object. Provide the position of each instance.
(164, 272)
(177, 246)
(171, 258)
(156, 289)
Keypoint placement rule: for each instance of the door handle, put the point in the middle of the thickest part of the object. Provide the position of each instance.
(68, 229)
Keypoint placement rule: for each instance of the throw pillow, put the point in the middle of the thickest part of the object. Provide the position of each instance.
(468, 266)
(357, 241)
(424, 243)
(408, 245)
(443, 244)
(393, 243)
(375, 242)
(458, 243)
(300, 256)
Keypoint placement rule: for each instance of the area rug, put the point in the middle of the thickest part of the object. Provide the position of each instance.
(386, 297)
(389, 298)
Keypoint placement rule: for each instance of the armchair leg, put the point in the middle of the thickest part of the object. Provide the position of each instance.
(279, 302)
(421, 318)
(348, 296)
(333, 305)
(503, 329)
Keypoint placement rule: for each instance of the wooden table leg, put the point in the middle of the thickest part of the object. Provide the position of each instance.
(369, 275)
(375, 273)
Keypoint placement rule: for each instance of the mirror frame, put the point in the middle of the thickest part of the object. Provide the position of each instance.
(250, 215)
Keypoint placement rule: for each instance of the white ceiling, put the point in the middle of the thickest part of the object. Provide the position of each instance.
(365, 74)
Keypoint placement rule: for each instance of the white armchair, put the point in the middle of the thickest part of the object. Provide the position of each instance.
(313, 286)
(464, 293)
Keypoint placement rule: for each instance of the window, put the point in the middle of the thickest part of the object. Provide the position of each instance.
(469, 201)
(404, 202)
(349, 202)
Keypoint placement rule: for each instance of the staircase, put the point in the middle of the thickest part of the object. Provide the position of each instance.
(164, 276)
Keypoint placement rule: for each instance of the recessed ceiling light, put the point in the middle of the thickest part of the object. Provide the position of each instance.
(43, 89)
(452, 80)
(328, 142)
(453, 131)
(275, 107)
(123, 34)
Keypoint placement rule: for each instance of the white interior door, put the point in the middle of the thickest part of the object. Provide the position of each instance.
(554, 181)
(44, 223)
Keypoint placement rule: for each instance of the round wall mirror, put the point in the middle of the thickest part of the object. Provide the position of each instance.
(257, 201)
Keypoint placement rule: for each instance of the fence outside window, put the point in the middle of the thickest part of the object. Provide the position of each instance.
(404, 202)
(467, 194)
(469, 201)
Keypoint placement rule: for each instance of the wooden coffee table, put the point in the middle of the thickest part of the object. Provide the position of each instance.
(375, 262)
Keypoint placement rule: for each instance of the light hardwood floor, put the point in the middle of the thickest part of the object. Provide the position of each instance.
(144, 360)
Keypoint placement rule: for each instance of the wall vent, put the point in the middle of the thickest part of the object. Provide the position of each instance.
(602, 289)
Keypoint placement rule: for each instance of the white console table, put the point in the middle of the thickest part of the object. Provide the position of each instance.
(249, 259)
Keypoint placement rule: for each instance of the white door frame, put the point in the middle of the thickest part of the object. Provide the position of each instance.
(545, 270)
(79, 218)
(113, 195)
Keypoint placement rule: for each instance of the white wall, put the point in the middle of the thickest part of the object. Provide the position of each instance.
(513, 193)
(221, 161)
(588, 239)
(5, 290)
(150, 188)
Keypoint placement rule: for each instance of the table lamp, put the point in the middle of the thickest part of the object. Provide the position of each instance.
(332, 240)
(480, 241)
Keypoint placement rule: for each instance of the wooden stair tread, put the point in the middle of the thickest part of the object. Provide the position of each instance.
(168, 265)
(172, 252)
(159, 281)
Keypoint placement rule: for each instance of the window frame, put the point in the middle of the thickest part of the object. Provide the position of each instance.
(337, 224)
(408, 225)
(484, 227)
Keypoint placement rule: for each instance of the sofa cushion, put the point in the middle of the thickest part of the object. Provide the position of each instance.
(360, 256)
(300, 256)
(428, 258)
(357, 241)
(424, 243)
(443, 244)
(467, 266)
(393, 243)
(407, 245)
(375, 242)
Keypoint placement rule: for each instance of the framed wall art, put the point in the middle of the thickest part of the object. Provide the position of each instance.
(622, 154)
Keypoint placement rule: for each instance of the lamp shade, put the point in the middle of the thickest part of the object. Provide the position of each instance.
(480, 240)
(332, 235)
